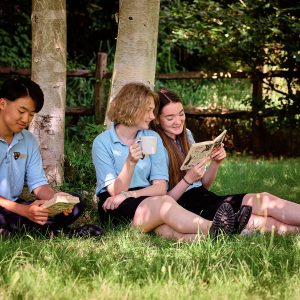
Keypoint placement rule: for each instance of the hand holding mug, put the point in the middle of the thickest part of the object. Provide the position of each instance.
(135, 153)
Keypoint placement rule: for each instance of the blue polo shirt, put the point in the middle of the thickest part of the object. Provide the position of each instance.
(20, 163)
(109, 155)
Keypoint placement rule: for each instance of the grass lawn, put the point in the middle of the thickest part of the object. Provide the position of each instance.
(126, 264)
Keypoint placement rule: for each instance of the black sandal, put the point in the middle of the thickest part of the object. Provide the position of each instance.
(241, 218)
(224, 220)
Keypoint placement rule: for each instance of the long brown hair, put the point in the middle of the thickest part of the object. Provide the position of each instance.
(176, 151)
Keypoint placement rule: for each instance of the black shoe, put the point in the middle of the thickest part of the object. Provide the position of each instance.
(88, 230)
(241, 218)
(223, 221)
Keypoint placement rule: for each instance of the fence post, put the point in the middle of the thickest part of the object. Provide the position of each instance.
(99, 104)
(258, 146)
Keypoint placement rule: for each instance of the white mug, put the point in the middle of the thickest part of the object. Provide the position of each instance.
(149, 144)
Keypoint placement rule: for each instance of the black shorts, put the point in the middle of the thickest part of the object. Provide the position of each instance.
(205, 203)
(124, 213)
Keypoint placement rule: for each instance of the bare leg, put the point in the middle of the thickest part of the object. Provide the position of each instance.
(155, 211)
(268, 224)
(167, 232)
(265, 204)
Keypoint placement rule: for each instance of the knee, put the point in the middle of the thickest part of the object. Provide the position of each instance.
(167, 203)
(266, 200)
(265, 195)
(260, 198)
(169, 199)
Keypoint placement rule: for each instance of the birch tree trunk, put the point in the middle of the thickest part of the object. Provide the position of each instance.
(49, 30)
(135, 57)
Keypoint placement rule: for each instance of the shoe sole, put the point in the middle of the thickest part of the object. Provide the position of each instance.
(224, 220)
(243, 218)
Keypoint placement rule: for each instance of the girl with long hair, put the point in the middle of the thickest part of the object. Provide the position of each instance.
(261, 211)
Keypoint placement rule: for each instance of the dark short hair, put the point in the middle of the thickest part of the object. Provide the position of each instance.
(12, 89)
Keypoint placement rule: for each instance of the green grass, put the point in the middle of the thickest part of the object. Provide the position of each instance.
(240, 174)
(126, 264)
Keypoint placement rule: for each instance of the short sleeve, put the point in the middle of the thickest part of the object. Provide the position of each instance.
(104, 164)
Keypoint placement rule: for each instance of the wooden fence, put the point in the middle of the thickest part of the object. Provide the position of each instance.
(100, 75)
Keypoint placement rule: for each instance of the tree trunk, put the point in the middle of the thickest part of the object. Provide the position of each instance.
(49, 28)
(135, 57)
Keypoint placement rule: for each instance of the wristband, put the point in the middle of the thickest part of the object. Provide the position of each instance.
(125, 194)
(186, 181)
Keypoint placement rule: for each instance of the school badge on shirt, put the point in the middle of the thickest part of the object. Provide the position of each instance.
(16, 155)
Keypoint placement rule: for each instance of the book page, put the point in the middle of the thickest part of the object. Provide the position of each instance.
(59, 203)
(58, 208)
(219, 139)
(196, 153)
(201, 150)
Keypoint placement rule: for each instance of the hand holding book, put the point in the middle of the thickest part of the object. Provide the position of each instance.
(60, 203)
(201, 150)
(218, 155)
(196, 172)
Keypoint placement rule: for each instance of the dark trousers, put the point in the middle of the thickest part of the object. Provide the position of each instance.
(14, 222)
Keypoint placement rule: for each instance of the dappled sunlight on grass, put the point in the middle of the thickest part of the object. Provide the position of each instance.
(143, 266)
(248, 175)
(127, 264)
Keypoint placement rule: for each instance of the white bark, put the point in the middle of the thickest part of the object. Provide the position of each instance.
(49, 71)
(135, 57)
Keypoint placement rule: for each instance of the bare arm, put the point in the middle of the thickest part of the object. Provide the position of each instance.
(33, 212)
(122, 182)
(192, 175)
(44, 192)
(178, 190)
(158, 188)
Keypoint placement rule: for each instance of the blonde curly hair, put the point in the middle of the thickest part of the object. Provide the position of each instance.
(130, 104)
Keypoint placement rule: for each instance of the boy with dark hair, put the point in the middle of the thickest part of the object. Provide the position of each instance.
(20, 163)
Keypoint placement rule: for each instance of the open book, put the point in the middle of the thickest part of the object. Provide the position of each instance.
(59, 203)
(201, 150)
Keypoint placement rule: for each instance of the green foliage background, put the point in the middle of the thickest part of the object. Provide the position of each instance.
(194, 35)
(213, 35)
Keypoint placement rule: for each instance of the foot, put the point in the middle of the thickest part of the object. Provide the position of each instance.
(223, 221)
(241, 218)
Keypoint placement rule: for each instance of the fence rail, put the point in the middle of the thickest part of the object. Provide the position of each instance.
(100, 75)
